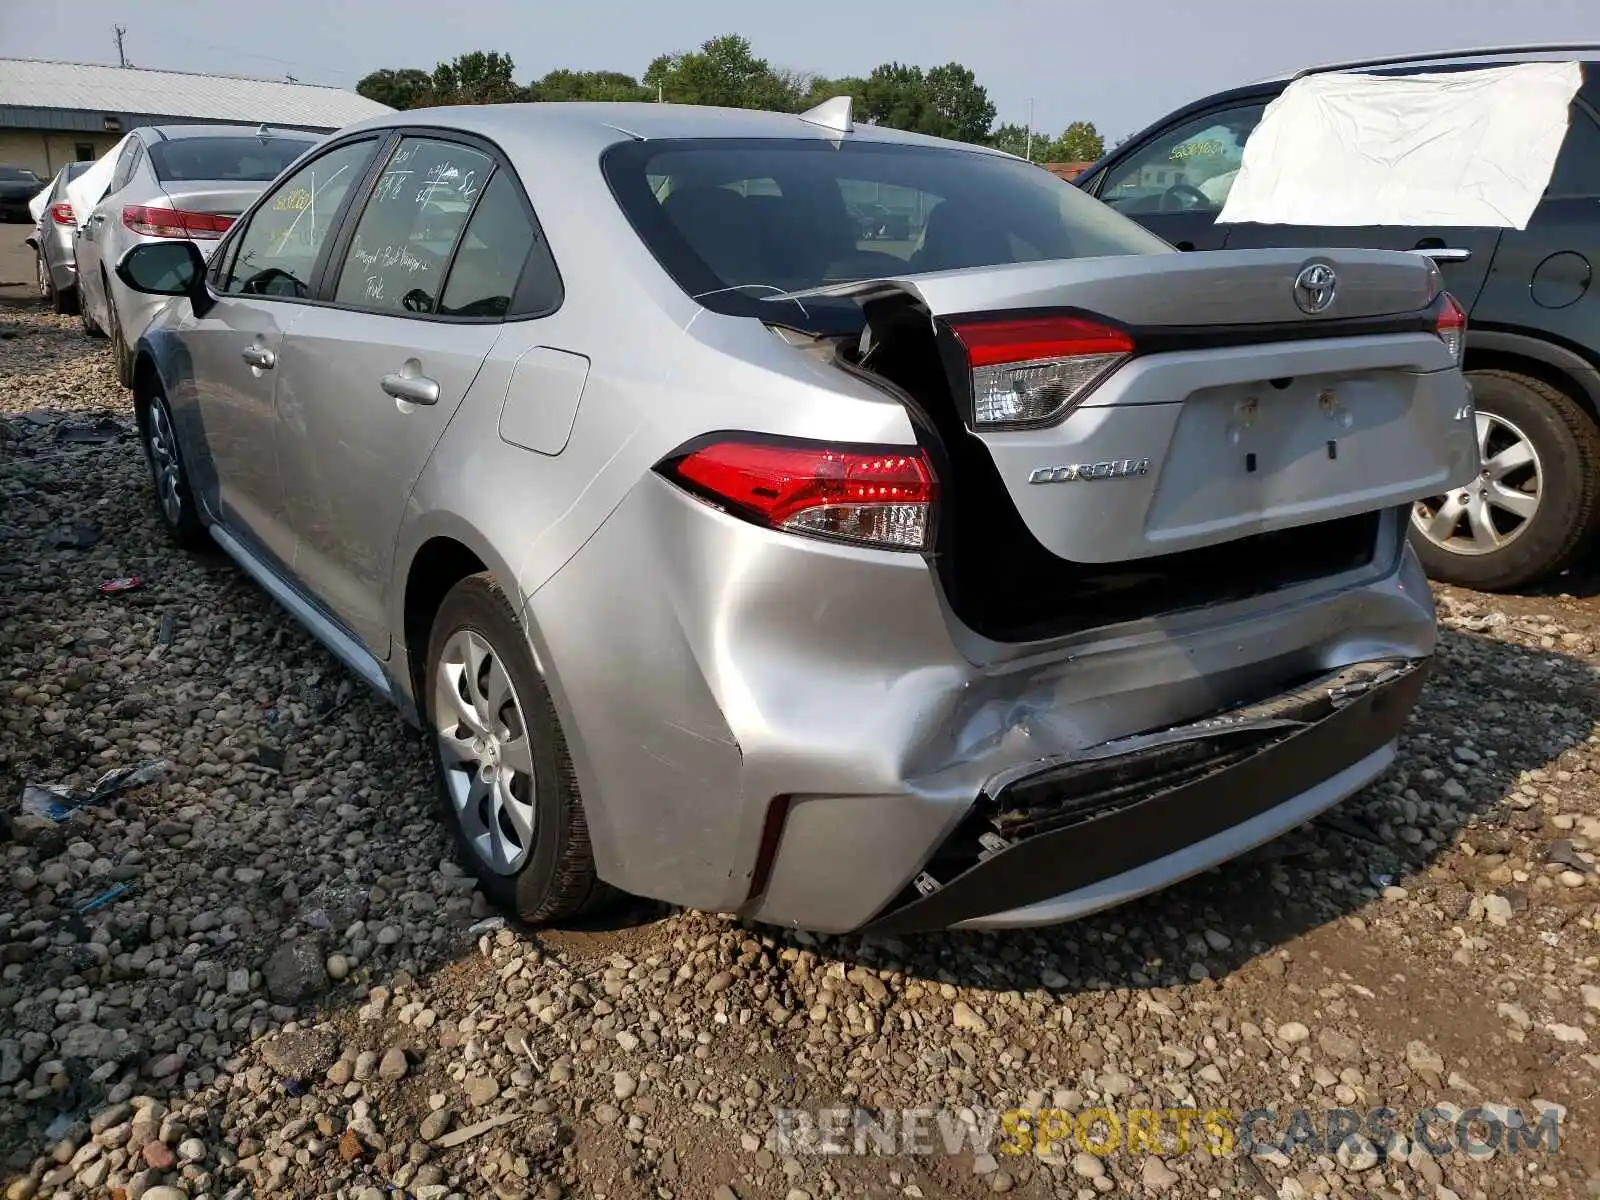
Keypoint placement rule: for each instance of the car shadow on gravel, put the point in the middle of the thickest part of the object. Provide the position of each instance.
(1491, 712)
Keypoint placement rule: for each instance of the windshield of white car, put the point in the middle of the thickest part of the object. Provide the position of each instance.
(242, 159)
(732, 220)
(17, 175)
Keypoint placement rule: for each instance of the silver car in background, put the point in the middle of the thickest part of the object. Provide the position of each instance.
(986, 575)
(52, 239)
(170, 181)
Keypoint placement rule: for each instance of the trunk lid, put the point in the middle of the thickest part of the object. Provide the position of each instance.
(222, 197)
(1237, 412)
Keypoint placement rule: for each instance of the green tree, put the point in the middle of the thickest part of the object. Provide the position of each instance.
(405, 88)
(588, 85)
(1013, 139)
(476, 78)
(819, 88)
(723, 72)
(961, 102)
(945, 102)
(1079, 142)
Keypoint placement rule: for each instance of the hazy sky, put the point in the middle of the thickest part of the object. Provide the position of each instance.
(1118, 63)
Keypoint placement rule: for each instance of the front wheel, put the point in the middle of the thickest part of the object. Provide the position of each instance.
(174, 498)
(1536, 498)
(502, 764)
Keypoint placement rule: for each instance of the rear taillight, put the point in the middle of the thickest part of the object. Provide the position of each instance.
(174, 222)
(1452, 327)
(882, 498)
(1036, 370)
(61, 213)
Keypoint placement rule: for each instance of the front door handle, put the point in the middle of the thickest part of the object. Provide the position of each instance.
(259, 356)
(413, 389)
(1444, 253)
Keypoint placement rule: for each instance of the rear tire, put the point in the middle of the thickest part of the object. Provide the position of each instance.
(1561, 478)
(121, 356)
(91, 327)
(501, 761)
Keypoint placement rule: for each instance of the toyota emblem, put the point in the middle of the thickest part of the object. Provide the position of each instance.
(1314, 287)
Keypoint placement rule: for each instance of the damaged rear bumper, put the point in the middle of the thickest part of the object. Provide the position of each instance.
(1136, 815)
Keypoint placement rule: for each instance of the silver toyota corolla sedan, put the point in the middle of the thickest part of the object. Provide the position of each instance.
(986, 576)
(171, 181)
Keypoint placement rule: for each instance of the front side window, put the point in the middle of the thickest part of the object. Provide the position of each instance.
(235, 159)
(733, 220)
(1190, 168)
(402, 244)
(278, 251)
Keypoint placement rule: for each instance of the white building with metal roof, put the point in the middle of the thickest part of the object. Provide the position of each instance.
(56, 112)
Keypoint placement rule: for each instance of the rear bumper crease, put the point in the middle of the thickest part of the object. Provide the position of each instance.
(1077, 825)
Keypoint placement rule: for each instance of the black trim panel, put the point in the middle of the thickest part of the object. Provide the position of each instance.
(1307, 736)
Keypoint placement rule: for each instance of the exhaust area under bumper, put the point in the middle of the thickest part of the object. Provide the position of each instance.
(1138, 814)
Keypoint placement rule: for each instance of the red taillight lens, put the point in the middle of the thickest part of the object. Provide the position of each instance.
(61, 213)
(1452, 327)
(881, 498)
(175, 222)
(1035, 370)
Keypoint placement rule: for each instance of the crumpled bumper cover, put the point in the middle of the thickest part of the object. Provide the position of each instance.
(1047, 833)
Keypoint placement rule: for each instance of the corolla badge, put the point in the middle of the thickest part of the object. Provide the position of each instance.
(1121, 468)
(1314, 287)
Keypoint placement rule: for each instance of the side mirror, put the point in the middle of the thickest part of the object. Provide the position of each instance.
(167, 269)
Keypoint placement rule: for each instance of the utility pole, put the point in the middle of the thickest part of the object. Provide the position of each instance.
(658, 93)
(120, 31)
(290, 77)
(1029, 154)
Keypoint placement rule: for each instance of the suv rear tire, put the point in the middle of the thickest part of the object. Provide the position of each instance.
(502, 764)
(1565, 445)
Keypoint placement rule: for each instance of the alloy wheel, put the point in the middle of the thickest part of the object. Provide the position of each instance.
(45, 290)
(1495, 508)
(163, 448)
(485, 751)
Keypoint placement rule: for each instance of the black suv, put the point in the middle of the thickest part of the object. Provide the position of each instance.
(1533, 333)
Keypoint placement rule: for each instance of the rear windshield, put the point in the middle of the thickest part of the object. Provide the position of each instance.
(246, 159)
(733, 220)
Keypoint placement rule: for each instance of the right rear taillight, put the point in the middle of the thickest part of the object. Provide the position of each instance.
(867, 496)
(1452, 327)
(61, 213)
(175, 222)
(1035, 370)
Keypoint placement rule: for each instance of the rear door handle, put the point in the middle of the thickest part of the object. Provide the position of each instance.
(413, 389)
(1444, 253)
(259, 356)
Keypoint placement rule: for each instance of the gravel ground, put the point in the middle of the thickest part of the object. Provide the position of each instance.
(290, 996)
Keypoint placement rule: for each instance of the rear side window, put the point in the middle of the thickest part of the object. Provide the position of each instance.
(733, 220)
(403, 241)
(239, 159)
(1577, 170)
(490, 259)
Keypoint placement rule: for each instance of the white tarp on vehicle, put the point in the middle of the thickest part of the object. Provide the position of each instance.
(38, 204)
(1465, 148)
(88, 189)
